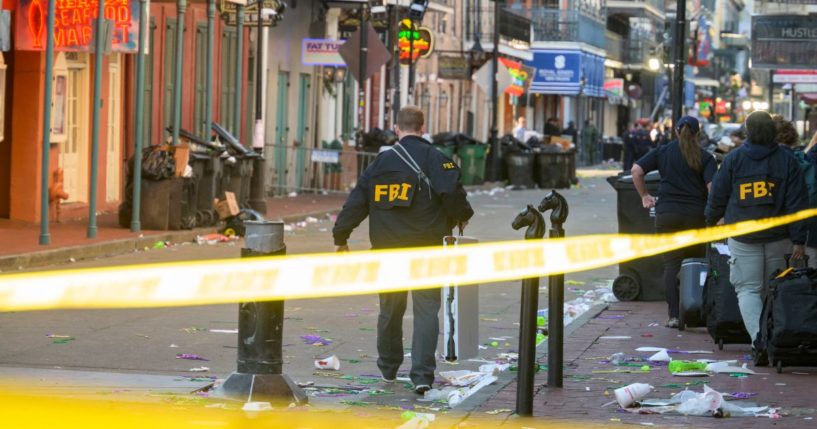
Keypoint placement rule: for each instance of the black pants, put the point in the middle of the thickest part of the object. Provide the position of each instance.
(424, 340)
(674, 222)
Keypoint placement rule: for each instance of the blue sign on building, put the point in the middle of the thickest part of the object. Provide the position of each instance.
(561, 71)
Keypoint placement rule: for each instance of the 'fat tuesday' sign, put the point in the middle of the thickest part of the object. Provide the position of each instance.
(74, 24)
(321, 52)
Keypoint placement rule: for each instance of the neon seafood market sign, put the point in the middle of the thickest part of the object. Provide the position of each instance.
(74, 24)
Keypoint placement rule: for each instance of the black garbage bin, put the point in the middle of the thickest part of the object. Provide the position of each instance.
(554, 169)
(640, 279)
(519, 165)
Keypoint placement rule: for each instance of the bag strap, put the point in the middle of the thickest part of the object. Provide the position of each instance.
(406, 157)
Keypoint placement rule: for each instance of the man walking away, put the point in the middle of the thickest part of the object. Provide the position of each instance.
(757, 181)
(413, 197)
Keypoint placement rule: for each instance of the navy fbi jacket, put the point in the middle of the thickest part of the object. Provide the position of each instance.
(402, 210)
(756, 182)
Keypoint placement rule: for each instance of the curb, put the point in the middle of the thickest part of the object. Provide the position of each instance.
(121, 246)
(467, 407)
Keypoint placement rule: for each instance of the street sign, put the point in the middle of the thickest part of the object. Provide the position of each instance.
(483, 77)
(788, 41)
(795, 76)
(229, 13)
(321, 52)
(422, 44)
(453, 67)
(378, 54)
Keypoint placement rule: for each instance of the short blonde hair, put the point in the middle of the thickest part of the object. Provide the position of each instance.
(410, 119)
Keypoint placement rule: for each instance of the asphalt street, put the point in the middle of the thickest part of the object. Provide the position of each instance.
(146, 341)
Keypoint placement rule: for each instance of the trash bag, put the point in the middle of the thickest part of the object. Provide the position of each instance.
(445, 139)
(157, 164)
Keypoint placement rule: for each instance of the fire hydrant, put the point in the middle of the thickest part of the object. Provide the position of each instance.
(56, 192)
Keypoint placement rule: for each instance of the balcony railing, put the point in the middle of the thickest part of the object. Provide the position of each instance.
(555, 25)
(614, 46)
(617, 6)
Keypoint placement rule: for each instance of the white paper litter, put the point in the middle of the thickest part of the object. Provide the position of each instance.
(225, 331)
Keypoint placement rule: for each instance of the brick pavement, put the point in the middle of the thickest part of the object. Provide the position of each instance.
(583, 394)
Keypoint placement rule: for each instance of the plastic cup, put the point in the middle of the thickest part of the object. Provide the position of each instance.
(629, 395)
(332, 362)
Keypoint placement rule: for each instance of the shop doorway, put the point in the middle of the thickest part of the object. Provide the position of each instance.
(113, 164)
(73, 158)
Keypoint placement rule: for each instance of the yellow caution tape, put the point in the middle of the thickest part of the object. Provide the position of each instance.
(101, 410)
(355, 273)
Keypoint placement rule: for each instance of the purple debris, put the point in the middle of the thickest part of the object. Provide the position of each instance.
(189, 356)
(316, 340)
(743, 395)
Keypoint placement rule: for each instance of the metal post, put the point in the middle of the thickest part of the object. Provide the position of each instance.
(181, 7)
(208, 90)
(97, 105)
(771, 91)
(239, 48)
(45, 236)
(679, 60)
(496, 157)
(364, 51)
(535, 223)
(411, 75)
(257, 198)
(135, 224)
(556, 294)
(397, 84)
(527, 346)
(259, 375)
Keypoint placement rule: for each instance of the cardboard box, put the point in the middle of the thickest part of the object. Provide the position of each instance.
(228, 207)
(182, 156)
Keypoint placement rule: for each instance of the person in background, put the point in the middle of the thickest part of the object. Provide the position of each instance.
(520, 129)
(686, 175)
(629, 148)
(641, 141)
(655, 134)
(589, 138)
(757, 181)
(552, 127)
(789, 140)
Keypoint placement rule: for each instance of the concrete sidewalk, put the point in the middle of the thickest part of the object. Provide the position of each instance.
(623, 327)
(21, 249)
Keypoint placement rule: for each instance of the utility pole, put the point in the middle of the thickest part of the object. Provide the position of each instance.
(678, 72)
(396, 101)
(97, 100)
(258, 192)
(45, 160)
(496, 157)
(364, 52)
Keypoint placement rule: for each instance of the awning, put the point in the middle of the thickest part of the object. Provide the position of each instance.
(567, 72)
(703, 81)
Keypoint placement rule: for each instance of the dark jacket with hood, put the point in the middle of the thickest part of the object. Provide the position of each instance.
(402, 210)
(757, 182)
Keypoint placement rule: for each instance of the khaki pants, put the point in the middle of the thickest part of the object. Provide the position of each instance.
(751, 266)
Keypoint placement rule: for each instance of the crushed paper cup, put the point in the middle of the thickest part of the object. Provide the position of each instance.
(332, 362)
(629, 395)
(661, 356)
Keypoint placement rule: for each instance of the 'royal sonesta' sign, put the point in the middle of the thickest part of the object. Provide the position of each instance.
(74, 24)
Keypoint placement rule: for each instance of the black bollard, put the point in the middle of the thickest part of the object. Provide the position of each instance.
(259, 376)
(556, 293)
(535, 223)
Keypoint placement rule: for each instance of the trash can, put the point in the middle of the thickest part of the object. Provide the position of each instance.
(237, 178)
(612, 148)
(472, 163)
(520, 169)
(640, 279)
(447, 150)
(553, 169)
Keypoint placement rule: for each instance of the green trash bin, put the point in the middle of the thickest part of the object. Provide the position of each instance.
(472, 163)
(447, 150)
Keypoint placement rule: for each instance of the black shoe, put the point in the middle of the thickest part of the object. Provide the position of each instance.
(760, 358)
(421, 389)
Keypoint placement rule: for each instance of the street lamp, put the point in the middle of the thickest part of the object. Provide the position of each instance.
(654, 64)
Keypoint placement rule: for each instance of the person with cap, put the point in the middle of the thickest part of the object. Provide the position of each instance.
(756, 181)
(686, 175)
(413, 197)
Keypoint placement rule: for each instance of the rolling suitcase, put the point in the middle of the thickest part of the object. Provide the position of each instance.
(788, 323)
(693, 278)
(723, 319)
(460, 314)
